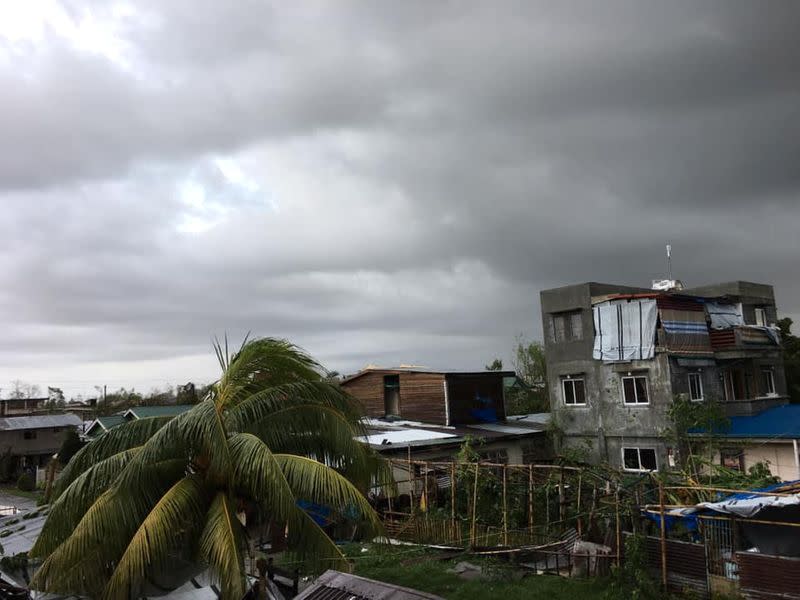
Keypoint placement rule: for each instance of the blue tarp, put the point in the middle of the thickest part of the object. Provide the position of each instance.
(774, 423)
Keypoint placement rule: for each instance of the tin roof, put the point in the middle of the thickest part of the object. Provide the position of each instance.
(39, 422)
(333, 585)
(168, 410)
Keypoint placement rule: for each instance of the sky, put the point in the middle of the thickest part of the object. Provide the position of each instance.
(379, 182)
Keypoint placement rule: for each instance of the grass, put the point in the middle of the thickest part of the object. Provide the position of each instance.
(418, 569)
(13, 490)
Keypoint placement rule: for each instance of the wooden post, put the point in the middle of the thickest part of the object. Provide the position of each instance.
(618, 526)
(578, 507)
(453, 491)
(663, 535)
(530, 498)
(411, 482)
(505, 507)
(547, 508)
(561, 499)
(474, 506)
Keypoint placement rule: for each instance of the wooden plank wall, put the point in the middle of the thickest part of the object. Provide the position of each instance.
(421, 395)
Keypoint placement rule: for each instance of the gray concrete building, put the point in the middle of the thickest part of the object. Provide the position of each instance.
(618, 356)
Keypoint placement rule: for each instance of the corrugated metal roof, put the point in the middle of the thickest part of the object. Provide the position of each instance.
(780, 422)
(333, 585)
(170, 410)
(39, 422)
(403, 436)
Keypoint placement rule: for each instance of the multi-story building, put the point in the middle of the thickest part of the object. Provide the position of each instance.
(618, 356)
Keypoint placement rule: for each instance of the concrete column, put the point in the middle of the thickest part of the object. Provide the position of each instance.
(796, 459)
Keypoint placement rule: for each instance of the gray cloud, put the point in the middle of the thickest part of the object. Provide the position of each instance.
(378, 182)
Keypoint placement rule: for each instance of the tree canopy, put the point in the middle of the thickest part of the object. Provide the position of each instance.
(156, 496)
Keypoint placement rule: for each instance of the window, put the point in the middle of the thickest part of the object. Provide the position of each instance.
(761, 316)
(574, 392)
(735, 384)
(695, 387)
(29, 435)
(639, 459)
(391, 395)
(767, 382)
(732, 458)
(634, 389)
(567, 326)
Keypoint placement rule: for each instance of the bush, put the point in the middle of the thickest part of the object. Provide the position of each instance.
(26, 482)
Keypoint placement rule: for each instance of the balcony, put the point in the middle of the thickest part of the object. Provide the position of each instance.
(742, 338)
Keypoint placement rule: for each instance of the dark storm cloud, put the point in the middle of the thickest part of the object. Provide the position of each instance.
(383, 182)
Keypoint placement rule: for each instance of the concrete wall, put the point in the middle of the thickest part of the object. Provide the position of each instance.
(605, 425)
(778, 455)
(48, 441)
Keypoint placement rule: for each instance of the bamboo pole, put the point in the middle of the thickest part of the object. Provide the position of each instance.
(617, 526)
(412, 483)
(453, 491)
(530, 498)
(505, 507)
(547, 508)
(474, 506)
(727, 490)
(663, 536)
(578, 507)
(561, 499)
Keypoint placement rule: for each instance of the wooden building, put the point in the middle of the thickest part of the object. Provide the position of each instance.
(438, 397)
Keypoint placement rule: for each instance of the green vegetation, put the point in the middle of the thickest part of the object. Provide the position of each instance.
(154, 488)
(791, 358)
(425, 571)
(69, 447)
(26, 483)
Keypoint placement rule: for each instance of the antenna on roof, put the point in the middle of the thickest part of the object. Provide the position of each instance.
(666, 285)
(669, 261)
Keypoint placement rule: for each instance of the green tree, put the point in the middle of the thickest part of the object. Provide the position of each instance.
(69, 447)
(495, 365)
(531, 392)
(153, 491)
(791, 358)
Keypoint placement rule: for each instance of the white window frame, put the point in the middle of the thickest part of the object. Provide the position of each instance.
(699, 377)
(639, 455)
(760, 315)
(646, 387)
(564, 391)
(767, 371)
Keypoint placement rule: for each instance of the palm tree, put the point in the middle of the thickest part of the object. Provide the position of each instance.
(154, 495)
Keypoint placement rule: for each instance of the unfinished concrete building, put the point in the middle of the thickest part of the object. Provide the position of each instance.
(618, 356)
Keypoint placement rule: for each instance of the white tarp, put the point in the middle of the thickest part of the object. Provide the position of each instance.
(748, 505)
(724, 315)
(625, 329)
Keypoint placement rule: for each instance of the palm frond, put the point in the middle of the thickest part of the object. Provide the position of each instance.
(310, 544)
(120, 438)
(263, 363)
(185, 503)
(221, 546)
(198, 431)
(67, 511)
(315, 482)
(265, 403)
(324, 434)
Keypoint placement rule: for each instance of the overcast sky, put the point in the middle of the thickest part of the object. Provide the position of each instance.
(379, 182)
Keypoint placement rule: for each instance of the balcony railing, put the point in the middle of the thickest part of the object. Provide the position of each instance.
(741, 338)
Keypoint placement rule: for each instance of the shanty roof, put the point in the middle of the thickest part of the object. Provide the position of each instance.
(169, 410)
(333, 585)
(780, 422)
(420, 369)
(102, 424)
(39, 422)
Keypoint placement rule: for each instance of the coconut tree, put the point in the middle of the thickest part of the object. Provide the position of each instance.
(157, 496)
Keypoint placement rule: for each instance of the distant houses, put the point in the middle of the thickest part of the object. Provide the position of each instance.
(102, 424)
(30, 441)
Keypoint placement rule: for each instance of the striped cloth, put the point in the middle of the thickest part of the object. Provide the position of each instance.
(684, 325)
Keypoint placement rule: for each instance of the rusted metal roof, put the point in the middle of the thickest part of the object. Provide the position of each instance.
(333, 585)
